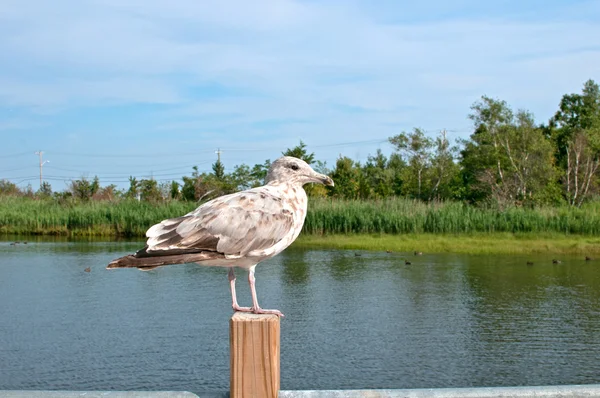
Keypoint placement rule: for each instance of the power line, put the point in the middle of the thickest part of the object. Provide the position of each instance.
(378, 141)
(130, 173)
(17, 169)
(133, 166)
(121, 176)
(15, 155)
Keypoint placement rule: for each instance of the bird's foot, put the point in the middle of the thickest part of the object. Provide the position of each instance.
(241, 309)
(259, 310)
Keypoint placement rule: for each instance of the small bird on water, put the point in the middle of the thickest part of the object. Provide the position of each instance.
(236, 230)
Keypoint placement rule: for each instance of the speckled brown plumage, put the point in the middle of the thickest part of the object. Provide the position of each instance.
(236, 230)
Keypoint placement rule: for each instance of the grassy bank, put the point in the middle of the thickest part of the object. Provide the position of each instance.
(398, 225)
(479, 243)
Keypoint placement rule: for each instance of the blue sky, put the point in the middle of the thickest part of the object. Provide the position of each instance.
(145, 87)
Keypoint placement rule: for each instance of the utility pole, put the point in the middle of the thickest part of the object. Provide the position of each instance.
(218, 167)
(42, 163)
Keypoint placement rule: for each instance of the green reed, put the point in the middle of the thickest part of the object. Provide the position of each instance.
(131, 218)
(402, 216)
(125, 218)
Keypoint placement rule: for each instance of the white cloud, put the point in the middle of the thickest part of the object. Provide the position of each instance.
(303, 60)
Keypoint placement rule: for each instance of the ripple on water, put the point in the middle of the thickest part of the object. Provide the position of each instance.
(368, 321)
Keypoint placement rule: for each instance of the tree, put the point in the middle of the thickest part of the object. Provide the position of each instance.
(347, 177)
(415, 147)
(300, 152)
(577, 113)
(45, 190)
(582, 166)
(508, 158)
(475, 162)
(443, 169)
(94, 186)
(8, 188)
(209, 186)
(378, 176)
(174, 191)
(81, 189)
(530, 156)
(190, 184)
(219, 170)
(395, 167)
(490, 117)
(109, 192)
(28, 191)
(259, 173)
(243, 177)
(149, 191)
(575, 129)
(134, 187)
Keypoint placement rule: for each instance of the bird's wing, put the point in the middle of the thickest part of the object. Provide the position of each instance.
(234, 225)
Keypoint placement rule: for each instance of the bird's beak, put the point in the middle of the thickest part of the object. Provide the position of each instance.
(323, 179)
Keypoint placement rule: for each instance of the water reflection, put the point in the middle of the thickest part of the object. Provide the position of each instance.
(295, 266)
(368, 321)
(534, 308)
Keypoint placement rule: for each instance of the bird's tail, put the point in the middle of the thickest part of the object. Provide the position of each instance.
(144, 261)
(131, 261)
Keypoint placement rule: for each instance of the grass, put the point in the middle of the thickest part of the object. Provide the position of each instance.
(478, 243)
(24, 216)
(392, 224)
(403, 216)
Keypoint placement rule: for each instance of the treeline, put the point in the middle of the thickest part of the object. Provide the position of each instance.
(508, 160)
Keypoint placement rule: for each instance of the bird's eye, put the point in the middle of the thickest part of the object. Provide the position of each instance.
(294, 167)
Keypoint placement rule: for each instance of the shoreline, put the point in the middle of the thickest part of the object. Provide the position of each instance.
(474, 243)
(477, 243)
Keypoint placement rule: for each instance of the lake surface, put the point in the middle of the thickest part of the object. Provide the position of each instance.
(368, 321)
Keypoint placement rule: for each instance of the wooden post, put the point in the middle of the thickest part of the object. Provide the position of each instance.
(254, 346)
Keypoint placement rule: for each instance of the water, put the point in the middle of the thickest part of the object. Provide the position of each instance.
(366, 321)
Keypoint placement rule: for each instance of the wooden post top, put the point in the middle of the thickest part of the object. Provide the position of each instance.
(250, 317)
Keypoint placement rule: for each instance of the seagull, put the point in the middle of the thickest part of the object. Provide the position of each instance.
(236, 230)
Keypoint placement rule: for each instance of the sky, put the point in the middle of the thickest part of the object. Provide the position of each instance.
(119, 88)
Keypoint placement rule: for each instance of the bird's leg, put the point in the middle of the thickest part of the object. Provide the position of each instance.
(255, 307)
(236, 307)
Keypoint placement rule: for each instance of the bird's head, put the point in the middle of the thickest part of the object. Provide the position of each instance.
(294, 170)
